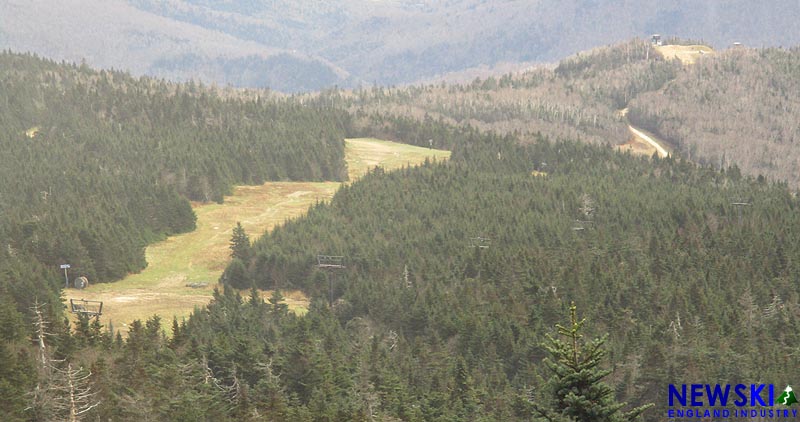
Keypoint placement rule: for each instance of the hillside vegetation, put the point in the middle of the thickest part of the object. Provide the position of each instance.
(183, 270)
(425, 325)
(652, 250)
(580, 98)
(739, 107)
(96, 165)
(732, 107)
(456, 271)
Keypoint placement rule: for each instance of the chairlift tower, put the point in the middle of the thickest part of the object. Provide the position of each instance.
(480, 242)
(739, 206)
(330, 264)
(91, 308)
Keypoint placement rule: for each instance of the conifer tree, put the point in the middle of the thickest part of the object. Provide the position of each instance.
(240, 243)
(236, 275)
(279, 307)
(578, 393)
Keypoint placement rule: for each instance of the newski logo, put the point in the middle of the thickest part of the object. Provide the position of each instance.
(718, 395)
(716, 401)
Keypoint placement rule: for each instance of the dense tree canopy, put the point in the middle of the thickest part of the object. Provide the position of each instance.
(654, 250)
(97, 164)
(456, 271)
(428, 325)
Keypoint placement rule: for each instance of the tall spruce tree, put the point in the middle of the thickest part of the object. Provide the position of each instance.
(240, 243)
(578, 393)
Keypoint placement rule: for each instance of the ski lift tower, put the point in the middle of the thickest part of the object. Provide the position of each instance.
(90, 308)
(330, 264)
(480, 242)
(739, 206)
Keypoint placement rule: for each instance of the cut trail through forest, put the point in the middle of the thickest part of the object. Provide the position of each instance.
(641, 142)
(643, 137)
(183, 270)
(645, 143)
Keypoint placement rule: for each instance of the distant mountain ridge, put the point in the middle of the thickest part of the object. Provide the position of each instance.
(309, 45)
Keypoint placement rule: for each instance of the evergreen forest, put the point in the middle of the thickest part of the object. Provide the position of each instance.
(481, 288)
(98, 164)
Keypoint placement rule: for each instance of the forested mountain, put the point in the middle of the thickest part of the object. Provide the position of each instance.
(578, 99)
(653, 251)
(120, 152)
(428, 325)
(96, 165)
(455, 271)
(730, 107)
(293, 45)
(736, 107)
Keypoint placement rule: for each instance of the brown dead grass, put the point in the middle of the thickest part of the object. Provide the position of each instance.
(636, 147)
(687, 54)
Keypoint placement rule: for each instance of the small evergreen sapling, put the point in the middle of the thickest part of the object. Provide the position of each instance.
(578, 393)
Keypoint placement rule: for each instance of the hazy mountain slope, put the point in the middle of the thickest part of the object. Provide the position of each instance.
(739, 106)
(114, 34)
(732, 106)
(383, 42)
(403, 41)
(580, 98)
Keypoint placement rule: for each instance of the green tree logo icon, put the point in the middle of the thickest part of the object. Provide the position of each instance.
(787, 398)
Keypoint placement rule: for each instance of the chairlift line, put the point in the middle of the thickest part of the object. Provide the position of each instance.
(739, 206)
(329, 263)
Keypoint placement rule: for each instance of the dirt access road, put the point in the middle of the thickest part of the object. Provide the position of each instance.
(199, 257)
(641, 142)
(645, 143)
(655, 146)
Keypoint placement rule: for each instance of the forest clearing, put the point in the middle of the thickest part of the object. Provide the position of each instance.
(687, 54)
(183, 270)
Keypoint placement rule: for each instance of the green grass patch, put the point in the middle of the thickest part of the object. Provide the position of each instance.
(201, 256)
